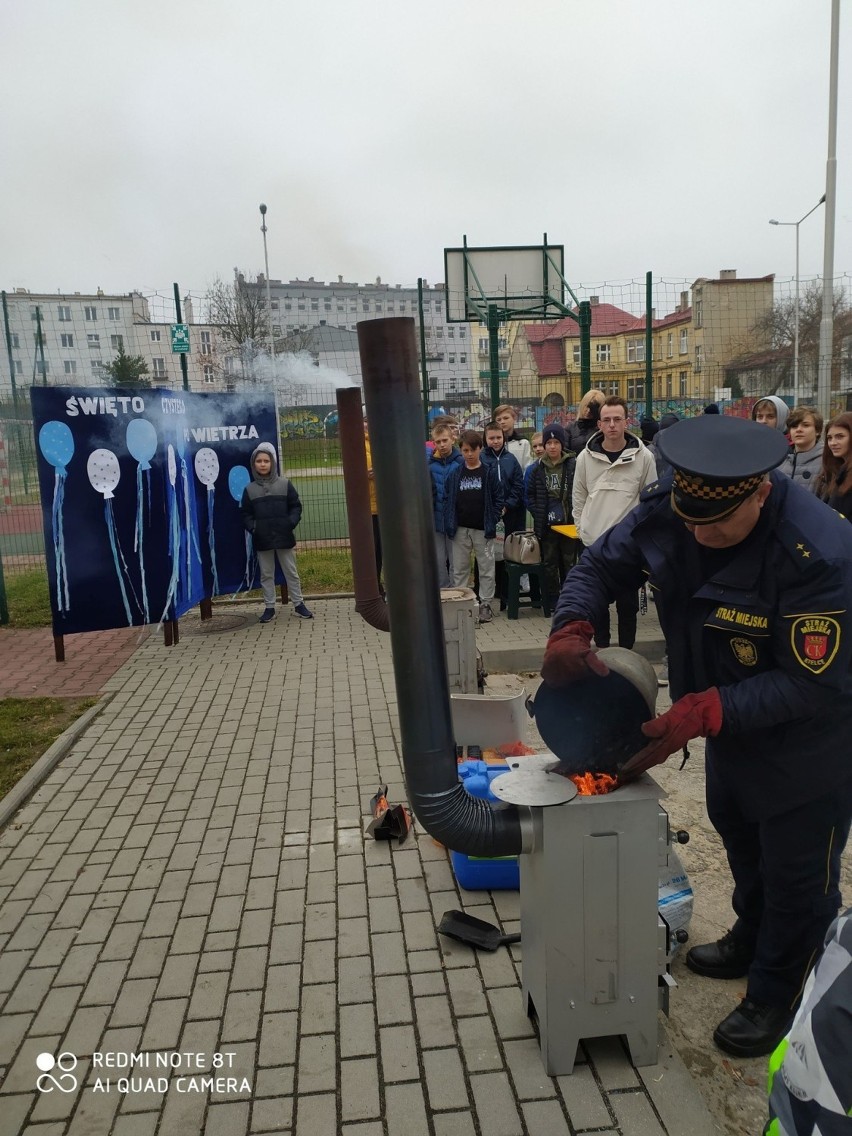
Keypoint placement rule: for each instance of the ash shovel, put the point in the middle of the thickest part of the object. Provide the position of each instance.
(475, 932)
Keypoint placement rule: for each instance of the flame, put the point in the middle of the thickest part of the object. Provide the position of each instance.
(592, 784)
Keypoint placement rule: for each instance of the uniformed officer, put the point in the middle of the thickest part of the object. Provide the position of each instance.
(753, 581)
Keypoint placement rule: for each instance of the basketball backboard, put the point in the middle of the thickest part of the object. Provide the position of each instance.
(521, 280)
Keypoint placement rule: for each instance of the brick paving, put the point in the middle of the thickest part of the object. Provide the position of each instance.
(193, 878)
(28, 667)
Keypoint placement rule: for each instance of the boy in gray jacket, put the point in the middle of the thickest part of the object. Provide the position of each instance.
(271, 509)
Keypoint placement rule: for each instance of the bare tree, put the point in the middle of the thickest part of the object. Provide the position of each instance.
(239, 311)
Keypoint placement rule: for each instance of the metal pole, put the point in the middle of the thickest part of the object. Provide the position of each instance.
(9, 353)
(649, 346)
(585, 322)
(494, 355)
(826, 327)
(423, 372)
(796, 327)
(268, 289)
(183, 364)
(40, 344)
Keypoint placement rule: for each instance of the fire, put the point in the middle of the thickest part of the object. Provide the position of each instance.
(592, 784)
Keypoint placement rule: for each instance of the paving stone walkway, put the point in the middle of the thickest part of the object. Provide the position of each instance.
(191, 890)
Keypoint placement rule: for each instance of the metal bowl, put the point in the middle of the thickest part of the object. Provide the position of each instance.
(594, 725)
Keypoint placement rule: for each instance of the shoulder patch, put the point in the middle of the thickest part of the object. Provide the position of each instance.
(661, 488)
(815, 640)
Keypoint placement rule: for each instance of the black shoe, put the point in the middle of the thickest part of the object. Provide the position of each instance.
(753, 1029)
(268, 615)
(728, 957)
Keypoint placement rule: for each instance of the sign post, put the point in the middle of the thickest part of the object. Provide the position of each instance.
(180, 339)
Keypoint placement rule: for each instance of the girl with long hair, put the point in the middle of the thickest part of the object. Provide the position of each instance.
(834, 483)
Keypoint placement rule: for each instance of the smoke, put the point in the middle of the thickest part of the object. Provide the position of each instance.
(296, 376)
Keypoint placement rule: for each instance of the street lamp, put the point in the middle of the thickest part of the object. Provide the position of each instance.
(268, 289)
(795, 225)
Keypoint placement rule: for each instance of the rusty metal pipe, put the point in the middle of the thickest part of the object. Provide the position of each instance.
(368, 600)
(391, 391)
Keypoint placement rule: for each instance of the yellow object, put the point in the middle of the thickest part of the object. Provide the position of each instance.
(566, 530)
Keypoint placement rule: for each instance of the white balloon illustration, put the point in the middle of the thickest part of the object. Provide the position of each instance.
(104, 471)
(207, 466)
(172, 465)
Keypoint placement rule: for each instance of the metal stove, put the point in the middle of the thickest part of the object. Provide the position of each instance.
(596, 952)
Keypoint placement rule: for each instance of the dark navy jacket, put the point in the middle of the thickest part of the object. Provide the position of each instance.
(493, 499)
(772, 629)
(271, 513)
(511, 478)
(438, 469)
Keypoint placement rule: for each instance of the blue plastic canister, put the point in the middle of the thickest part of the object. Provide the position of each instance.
(477, 873)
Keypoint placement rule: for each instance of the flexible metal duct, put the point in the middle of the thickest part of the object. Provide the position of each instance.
(368, 600)
(447, 812)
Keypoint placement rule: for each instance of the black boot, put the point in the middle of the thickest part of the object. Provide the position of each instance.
(753, 1029)
(728, 957)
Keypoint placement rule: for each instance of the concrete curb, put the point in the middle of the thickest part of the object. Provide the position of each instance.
(38, 773)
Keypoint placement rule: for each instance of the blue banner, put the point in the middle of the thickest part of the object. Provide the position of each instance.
(140, 492)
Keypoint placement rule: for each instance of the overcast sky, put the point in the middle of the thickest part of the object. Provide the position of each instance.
(137, 139)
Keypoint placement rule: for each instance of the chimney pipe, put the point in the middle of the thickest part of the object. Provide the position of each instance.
(442, 805)
(350, 423)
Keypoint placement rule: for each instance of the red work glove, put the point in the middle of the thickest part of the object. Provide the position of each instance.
(568, 656)
(693, 716)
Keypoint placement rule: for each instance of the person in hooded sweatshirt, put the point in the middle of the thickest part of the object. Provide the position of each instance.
(772, 411)
(804, 461)
(271, 509)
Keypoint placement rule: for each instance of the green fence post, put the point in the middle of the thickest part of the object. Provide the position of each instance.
(649, 347)
(494, 354)
(585, 321)
(4, 606)
(423, 371)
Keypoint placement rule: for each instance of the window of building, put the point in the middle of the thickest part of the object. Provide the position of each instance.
(97, 368)
(684, 342)
(206, 346)
(15, 340)
(276, 330)
(670, 344)
(42, 368)
(610, 387)
(353, 305)
(699, 356)
(208, 372)
(699, 311)
(230, 365)
(463, 358)
(462, 332)
(402, 305)
(66, 339)
(391, 305)
(156, 336)
(427, 304)
(301, 305)
(451, 359)
(451, 333)
(64, 313)
(93, 339)
(365, 305)
(33, 311)
(603, 352)
(683, 378)
(483, 345)
(314, 305)
(575, 354)
(275, 305)
(438, 307)
(327, 305)
(502, 342)
(440, 333)
(635, 389)
(378, 305)
(70, 366)
(116, 342)
(18, 366)
(288, 305)
(635, 352)
(90, 313)
(159, 367)
(669, 381)
(113, 313)
(341, 306)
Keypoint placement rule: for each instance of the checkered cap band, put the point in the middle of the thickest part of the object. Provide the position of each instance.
(703, 490)
(701, 502)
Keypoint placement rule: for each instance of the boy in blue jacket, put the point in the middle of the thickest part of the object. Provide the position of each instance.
(444, 457)
(498, 456)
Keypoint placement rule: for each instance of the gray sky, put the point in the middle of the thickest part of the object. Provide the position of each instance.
(138, 139)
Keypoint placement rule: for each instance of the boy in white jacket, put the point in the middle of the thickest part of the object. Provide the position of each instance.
(611, 472)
